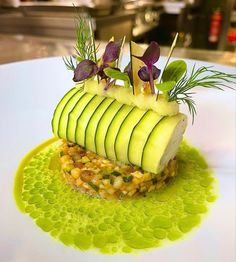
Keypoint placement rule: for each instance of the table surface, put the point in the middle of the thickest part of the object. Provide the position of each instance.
(15, 48)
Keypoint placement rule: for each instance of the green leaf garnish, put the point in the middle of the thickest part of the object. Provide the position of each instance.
(165, 87)
(93, 186)
(174, 71)
(128, 179)
(115, 173)
(116, 74)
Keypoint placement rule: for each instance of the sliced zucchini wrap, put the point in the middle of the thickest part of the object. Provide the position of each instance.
(118, 131)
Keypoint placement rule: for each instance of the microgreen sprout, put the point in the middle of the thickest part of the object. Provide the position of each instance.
(88, 68)
(149, 58)
(174, 82)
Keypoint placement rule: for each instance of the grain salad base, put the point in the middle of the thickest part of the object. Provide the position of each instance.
(100, 177)
(110, 226)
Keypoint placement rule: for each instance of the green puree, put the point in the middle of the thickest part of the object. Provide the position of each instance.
(84, 222)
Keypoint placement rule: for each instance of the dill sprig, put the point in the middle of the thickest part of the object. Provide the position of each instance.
(201, 77)
(85, 45)
(70, 62)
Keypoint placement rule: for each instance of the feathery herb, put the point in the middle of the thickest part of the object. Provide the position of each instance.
(84, 39)
(85, 46)
(201, 77)
(70, 62)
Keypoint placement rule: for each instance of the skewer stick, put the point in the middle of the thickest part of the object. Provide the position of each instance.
(168, 57)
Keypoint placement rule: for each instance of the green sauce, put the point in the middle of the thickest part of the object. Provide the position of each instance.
(125, 226)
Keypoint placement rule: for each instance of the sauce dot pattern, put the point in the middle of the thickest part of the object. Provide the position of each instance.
(113, 226)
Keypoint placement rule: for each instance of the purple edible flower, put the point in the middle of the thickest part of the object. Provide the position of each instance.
(143, 73)
(112, 51)
(150, 57)
(88, 68)
(84, 70)
(101, 72)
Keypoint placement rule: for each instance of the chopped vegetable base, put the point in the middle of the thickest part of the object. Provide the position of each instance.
(101, 177)
(113, 226)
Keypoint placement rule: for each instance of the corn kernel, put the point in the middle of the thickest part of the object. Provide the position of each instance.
(79, 182)
(85, 159)
(75, 172)
(118, 182)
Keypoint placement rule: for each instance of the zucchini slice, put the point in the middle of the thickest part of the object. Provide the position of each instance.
(119, 131)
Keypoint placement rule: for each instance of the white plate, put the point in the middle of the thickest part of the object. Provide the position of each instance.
(29, 91)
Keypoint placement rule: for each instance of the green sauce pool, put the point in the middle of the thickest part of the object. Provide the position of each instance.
(112, 226)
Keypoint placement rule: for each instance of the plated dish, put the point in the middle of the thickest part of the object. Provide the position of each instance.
(121, 180)
(20, 237)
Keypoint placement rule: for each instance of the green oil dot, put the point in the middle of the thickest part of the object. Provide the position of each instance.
(162, 198)
(100, 240)
(106, 250)
(195, 208)
(63, 214)
(80, 229)
(145, 233)
(29, 209)
(46, 207)
(114, 250)
(51, 201)
(35, 214)
(34, 191)
(66, 238)
(48, 214)
(53, 187)
(126, 249)
(58, 225)
(44, 224)
(102, 227)
(54, 233)
(159, 233)
(108, 220)
(188, 222)
(28, 186)
(188, 187)
(92, 214)
(49, 195)
(85, 222)
(26, 195)
(174, 235)
(126, 226)
(93, 229)
(35, 199)
(113, 238)
(211, 198)
(138, 242)
(206, 181)
(161, 222)
(38, 185)
(55, 217)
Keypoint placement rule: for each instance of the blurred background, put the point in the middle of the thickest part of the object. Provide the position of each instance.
(36, 28)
